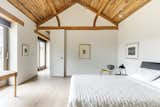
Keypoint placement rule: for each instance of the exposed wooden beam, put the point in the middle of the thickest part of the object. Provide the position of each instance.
(78, 28)
(8, 16)
(51, 5)
(103, 5)
(68, 5)
(58, 21)
(95, 11)
(42, 36)
(95, 20)
(23, 10)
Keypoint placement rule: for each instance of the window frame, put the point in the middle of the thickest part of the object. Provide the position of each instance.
(5, 57)
(45, 63)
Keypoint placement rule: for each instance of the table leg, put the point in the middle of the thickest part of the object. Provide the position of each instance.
(15, 85)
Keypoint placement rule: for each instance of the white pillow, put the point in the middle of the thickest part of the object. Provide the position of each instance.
(156, 83)
(146, 75)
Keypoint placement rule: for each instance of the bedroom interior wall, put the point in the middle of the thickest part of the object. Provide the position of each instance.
(142, 27)
(103, 51)
(103, 42)
(25, 66)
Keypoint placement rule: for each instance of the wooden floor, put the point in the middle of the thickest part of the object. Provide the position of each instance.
(42, 92)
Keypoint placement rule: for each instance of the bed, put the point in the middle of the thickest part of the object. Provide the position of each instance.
(111, 91)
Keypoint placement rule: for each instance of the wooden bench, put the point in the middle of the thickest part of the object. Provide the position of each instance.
(6, 75)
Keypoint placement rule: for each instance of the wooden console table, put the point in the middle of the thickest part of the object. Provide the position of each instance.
(6, 75)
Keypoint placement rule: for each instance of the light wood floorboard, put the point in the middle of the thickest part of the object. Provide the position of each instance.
(45, 91)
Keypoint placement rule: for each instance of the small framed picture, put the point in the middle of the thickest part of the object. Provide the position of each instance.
(85, 51)
(25, 50)
(132, 50)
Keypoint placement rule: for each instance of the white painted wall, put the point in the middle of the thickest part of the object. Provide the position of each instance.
(103, 42)
(103, 51)
(77, 15)
(142, 27)
(26, 66)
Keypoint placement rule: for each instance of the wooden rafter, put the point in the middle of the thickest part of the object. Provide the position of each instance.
(95, 11)
(8, 16)
(78, 28)
(51, 5)
(103, 5)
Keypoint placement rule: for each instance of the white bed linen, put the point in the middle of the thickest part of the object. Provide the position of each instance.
(111, 91)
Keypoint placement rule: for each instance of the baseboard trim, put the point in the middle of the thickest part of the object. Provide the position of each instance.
(29, 80)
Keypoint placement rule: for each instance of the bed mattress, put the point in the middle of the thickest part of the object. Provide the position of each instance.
(111, 91)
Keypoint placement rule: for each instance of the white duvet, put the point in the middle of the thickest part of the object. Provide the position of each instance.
(111, 91)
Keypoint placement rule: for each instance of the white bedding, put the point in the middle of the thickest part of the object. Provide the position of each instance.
(111, 91)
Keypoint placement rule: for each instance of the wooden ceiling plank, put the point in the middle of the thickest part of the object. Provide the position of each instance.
(50, 3)
(131, 9)
(78, 28)
(119, 8)
(58, 12)
(111, 2)
(8, 16)
(126, 6)
(114, 6)
(33, 14)
(22, 9)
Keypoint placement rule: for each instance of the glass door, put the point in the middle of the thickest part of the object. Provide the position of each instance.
(42, 54)
(3, 48)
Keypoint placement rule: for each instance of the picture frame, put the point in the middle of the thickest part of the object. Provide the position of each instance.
(132, 50)
(85, 51)
(25, 50)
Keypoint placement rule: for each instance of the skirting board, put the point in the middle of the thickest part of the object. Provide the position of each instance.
(30, 79)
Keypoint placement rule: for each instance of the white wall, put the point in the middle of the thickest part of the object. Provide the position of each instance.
(26, 66)
(142, 27)
(103, 51)
(77, 15)
(103, 42)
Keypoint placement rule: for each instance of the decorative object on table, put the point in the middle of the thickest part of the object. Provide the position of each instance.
(25, 50)
(85, 51)
(132, 50)
(104, 70)
(122, 70)
(108, 69)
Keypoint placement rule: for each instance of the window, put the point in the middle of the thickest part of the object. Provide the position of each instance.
(42, 54)
(3, 48)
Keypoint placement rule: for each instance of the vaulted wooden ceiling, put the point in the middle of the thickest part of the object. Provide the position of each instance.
(115, 11)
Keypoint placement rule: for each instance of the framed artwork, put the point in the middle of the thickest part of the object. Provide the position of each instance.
(25, 50)
(132, 50)
(85, 51)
